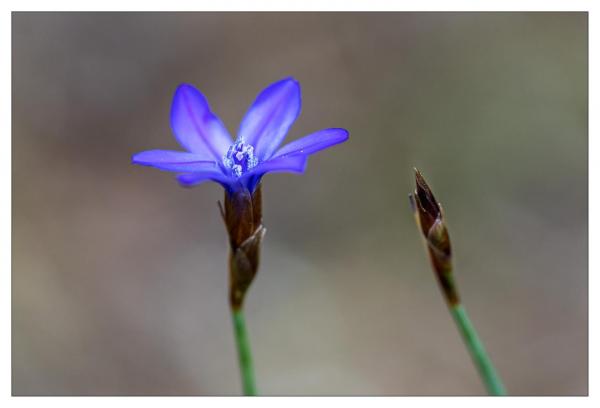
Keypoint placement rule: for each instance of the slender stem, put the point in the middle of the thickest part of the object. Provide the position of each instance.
(244, 353)
(480, 357)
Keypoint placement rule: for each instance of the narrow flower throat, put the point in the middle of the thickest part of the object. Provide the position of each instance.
(240, 158)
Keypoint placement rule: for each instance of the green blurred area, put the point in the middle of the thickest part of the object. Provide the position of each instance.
(119, 280)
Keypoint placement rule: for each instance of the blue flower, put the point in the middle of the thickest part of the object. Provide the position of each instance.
(211, 153)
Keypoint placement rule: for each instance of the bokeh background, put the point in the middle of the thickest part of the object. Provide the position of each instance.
(119, 280)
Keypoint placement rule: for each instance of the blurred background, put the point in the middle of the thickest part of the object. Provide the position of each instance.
(119, 279)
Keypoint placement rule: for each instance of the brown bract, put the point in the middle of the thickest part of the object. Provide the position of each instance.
(430, 220)
(242, 214)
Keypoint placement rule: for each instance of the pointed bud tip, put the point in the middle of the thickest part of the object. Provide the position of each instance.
(420, 180)
(418, 176)
(425, 196)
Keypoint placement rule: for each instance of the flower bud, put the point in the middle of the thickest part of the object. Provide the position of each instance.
(430, 220)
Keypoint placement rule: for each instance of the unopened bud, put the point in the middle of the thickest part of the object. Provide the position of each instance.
(430, 220)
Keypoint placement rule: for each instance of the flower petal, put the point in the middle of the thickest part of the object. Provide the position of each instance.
(293, 164)
(173, 161)
(270, 117)
(314, 142)
(192, 179)
(195, 126)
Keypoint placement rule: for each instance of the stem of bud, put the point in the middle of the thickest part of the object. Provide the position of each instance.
(244, 353)
(482, 361)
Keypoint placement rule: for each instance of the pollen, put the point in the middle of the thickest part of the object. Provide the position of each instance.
(240, 158)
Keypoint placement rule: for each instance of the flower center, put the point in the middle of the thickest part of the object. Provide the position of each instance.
(240, 158)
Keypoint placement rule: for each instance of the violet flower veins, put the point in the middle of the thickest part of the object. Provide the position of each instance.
(211, 153)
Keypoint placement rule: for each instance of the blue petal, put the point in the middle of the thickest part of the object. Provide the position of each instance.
(314, 142)
(269, 118)
(195, 126)
(293, 164)
(192, 179)
(173, 161)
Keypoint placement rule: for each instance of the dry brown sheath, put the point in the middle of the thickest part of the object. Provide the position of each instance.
(242, 214)
(430, 220)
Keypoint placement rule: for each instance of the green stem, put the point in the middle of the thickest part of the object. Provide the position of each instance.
(480, 357)
(244, 353)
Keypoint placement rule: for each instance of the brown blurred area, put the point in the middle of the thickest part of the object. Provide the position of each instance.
(119, 280)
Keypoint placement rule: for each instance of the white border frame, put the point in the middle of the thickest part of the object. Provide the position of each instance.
(295, 5)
